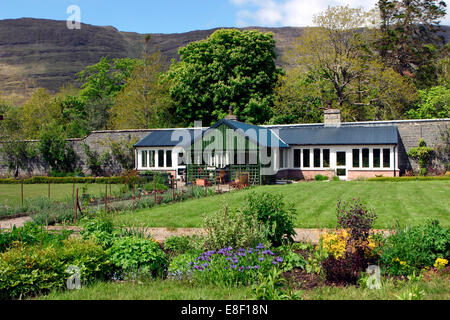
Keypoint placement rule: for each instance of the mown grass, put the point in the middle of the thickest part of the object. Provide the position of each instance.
(435, 288)
(151, 290)
(10, 194)
(409, 203)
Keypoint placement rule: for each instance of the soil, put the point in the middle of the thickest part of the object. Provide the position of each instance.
(300, 279)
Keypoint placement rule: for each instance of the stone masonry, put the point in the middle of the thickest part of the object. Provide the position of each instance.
(410, 132)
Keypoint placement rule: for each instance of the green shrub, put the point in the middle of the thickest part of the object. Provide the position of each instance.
(277, 216)
(412, 249)
(181, 244)
(100, 230)
(230, 267)
(233, 228)
(31, 234)
(136, 256)
(319, 177)
(336, 178)
(180, 266)
(27, 271)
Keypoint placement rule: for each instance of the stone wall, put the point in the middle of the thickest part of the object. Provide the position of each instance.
(410, 131)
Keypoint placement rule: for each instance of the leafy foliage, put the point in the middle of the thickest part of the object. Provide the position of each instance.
(422, 154)
(236, 229)
(277, 216)
(356, 217)
(412, 249)
(230, 68)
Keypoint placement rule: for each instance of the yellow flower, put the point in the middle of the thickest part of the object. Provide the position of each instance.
(440, 263)
(402, 263)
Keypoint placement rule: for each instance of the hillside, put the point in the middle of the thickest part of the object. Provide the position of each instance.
(44, 53)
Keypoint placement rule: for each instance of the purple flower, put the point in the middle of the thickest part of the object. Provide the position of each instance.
(260, 246)
(278, 259)
(233, 266)
(261, 258)
(256, 267)
(274, 263)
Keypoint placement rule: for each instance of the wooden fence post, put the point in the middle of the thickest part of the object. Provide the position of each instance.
(173, 190)
(76, 206)
(154, 190)
(106, 198)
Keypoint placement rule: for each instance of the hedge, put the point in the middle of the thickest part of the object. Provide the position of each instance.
(56, 180)
(418, 178)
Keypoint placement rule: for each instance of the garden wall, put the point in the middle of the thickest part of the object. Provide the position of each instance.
(410, 131)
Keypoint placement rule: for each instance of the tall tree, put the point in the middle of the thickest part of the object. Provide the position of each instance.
(230, 68)
(101, 82)
(39, 110)
(408, 29)
(145, 101)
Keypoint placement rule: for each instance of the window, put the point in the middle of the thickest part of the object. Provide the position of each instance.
(281, 158)
(376, 158)
(169, 158)
(297, 158)
(181, 159)
(355, 153)
(152, 158)
(306, 161)
(144, 158)
(316, 158)
(160, 158)
(365, 158)
(326, 158)
(341, 172)
(386, 158)
(340, 158)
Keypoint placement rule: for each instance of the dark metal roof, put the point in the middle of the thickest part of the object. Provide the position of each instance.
(343, 135)
(271, 139)
(166, 138)
(284, 136)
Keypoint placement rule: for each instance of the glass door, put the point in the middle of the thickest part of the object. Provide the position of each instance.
(341, 165)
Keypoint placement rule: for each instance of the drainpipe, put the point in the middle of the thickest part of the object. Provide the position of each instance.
(395, 165)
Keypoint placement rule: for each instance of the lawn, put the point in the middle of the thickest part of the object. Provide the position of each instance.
(10, 194)
(408, 202)
(435, 288)
(151, 290)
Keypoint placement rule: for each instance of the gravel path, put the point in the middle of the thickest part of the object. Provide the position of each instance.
(161, 234)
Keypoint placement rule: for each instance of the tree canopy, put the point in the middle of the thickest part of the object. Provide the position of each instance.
(231, 68)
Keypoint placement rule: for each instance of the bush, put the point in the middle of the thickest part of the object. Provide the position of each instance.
(181, 244)
(232, 267)
(274, 214)
(319, 177)
(356, 217)
(180, 266)
(31, 234)
(346, 269)
(412, 249)
(100, 230)
(27, 271)
(235, 229)
(136, 256)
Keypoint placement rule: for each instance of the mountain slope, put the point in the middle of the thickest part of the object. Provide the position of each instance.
(45, 53)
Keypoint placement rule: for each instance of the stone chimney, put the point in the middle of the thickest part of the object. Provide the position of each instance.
(332, 117)
(231, 116)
